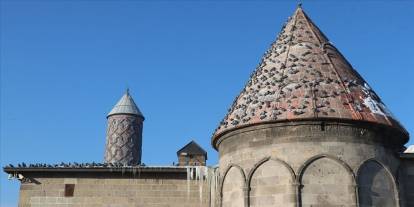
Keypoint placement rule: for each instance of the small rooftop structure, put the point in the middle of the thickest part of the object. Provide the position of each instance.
(126, 105)
(191, 155)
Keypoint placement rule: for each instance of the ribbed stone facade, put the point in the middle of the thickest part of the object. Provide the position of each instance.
(313, 163)
(124, 139)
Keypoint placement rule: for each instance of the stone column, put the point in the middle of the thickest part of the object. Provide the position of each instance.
(124, 139)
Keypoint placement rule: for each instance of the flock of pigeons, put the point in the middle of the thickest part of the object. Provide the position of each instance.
(73, 165)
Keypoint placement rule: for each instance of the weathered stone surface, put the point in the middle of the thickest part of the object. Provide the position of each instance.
(124, 139)
(406, 181)
(232, 189)
(324, 160)
(376, 186)
(125, 191)
(269, 185)
(326, 182)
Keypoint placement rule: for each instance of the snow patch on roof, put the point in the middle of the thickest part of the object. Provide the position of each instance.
(410, 149)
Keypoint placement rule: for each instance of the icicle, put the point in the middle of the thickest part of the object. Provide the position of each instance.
(134, 171)
(201, 171)
(197, 173)
(192, 172)
(213, 182)
(200, 192)
(200, 175)
(212, 191)
(188, 182)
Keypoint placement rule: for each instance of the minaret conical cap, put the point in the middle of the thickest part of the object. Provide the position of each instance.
(126, 105)
(303, 76)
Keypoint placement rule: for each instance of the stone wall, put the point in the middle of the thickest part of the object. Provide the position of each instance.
(325, 182)
(375, 185)
(280, 164)
(310, 164)
(407, 181)
(105, 190)
(233, 187)
(271, 185)
(192, 160)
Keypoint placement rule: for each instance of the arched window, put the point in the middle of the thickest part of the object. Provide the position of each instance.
(375, 186)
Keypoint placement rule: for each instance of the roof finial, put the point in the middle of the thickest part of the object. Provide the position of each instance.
(127, 91)
(300, 4)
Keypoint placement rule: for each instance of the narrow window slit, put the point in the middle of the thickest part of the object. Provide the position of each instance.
(69, 190)
(323, 126)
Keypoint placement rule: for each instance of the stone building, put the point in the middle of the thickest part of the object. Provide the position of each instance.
(192, 155)
(306, 130)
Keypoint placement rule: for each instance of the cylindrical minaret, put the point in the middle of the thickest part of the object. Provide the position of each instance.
(124, 133)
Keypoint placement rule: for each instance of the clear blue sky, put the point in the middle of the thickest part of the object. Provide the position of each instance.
(64, 64)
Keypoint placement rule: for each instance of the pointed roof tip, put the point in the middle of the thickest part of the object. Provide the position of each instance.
(126, 105)
(193, 148)
(299, 12)
(298, 9)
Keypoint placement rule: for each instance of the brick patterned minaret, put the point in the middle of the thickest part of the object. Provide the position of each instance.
(124, 133)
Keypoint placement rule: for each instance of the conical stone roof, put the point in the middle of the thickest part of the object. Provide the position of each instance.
(303, 76)
(126, 105)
